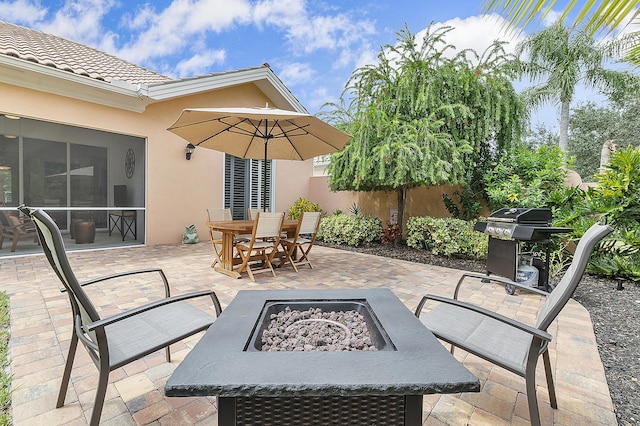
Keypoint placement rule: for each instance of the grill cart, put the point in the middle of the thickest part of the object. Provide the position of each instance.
(512, 229)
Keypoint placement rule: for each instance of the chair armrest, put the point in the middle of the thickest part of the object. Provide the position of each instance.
(543, 335)
(149, 306)
(167, 292)
(498, 279)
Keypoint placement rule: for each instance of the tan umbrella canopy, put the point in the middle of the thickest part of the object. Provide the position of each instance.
(259, 133)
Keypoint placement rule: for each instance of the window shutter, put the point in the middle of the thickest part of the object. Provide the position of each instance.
(243, 185)
(234, 193)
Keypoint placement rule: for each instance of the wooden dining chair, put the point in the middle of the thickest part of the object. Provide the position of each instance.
(303, 240)
(252, 213)
(216, 215)
(15, 228)
(263, 245)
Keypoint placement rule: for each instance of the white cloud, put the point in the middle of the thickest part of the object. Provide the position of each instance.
(551, 18)
(22, 12)
(174, 29)
(199, 63)
(306, 32)
(296, 73)
(79, 20)
(478, 33)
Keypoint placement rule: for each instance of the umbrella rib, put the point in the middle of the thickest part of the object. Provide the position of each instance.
(306, 132)
(232, 128)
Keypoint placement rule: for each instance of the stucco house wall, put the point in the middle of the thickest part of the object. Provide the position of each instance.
(178, 191)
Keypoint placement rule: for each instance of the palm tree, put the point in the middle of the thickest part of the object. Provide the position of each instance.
(595, 16)
(558, 60)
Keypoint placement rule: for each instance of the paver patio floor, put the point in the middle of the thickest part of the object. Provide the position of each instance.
(41, 331)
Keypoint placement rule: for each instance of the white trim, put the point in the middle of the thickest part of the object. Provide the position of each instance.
(30, 75)
(125, 96)
(263, 77)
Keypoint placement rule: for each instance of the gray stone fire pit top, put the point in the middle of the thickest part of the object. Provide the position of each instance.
(220, 365)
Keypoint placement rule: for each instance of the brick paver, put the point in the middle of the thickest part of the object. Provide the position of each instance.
(41, 327)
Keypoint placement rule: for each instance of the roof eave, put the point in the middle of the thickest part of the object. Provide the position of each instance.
(30, 75)
(262, 76)
(122, 95)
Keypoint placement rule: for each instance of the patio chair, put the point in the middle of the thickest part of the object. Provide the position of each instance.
(264, 243)
(303, 240)
(116, 340)
(252, 213)
(506, 342)
(216, 237)
(15, 228)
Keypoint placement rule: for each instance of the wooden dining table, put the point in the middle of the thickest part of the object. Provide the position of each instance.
(229, 229)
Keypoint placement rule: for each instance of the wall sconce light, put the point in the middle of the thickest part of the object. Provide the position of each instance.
(190, 148)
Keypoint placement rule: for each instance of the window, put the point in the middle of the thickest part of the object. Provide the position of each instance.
(244, 185)
(71, 173)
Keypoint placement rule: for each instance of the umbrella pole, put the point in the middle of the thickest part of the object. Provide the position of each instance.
(264, 168)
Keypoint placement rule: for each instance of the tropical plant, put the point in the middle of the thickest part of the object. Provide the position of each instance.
(422, 116)
(616, 201)
(617, 196)
(558, 60)
(354, 209)
(593, 16)
(391, 234)
(526, 178)
(591, 125)
(302, 205)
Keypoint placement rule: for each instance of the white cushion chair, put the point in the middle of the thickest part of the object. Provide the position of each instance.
(303, 240)
(263, 245)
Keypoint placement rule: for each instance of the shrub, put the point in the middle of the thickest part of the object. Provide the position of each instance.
(350, 230)
(525, 178)
(302, 205)
(616, 201)
(446, 236)
(391, 234)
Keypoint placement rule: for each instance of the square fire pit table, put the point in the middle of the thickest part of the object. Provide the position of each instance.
(382, 387)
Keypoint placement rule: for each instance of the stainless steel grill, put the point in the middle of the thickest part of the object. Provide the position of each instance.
(507, 229)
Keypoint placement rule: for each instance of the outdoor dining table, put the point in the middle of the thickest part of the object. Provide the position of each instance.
(314, 388)
(230, 228)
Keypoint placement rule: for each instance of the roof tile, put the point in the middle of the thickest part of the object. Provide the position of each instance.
(57, 52)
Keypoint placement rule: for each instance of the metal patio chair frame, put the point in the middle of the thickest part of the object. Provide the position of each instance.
(501, 340)
(116, 340)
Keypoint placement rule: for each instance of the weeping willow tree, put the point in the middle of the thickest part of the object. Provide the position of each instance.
(424, 115)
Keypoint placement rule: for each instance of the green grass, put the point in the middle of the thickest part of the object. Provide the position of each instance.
(5, 376)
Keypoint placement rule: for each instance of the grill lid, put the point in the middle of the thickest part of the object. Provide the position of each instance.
(522, 216)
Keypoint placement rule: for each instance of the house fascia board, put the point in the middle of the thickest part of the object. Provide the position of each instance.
(262, 77)
(122, 95)
(29, 75)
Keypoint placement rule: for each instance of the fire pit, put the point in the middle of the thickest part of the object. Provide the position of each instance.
(378, 387)
(350, 321)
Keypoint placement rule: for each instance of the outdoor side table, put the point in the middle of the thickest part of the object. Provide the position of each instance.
(125, 221)
(383, 387)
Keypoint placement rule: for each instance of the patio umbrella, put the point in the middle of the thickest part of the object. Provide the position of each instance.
(259, 133)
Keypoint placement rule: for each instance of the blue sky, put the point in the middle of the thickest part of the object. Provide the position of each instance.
(313, 45)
